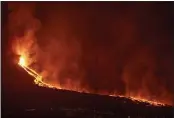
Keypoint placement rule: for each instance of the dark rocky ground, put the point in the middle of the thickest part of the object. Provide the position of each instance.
(21, 98)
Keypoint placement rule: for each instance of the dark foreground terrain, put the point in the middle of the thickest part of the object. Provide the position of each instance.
(23, 99)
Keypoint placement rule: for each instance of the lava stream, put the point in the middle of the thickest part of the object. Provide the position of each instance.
(38, 80)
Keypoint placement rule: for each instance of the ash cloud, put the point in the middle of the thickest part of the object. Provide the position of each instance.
(106, 48)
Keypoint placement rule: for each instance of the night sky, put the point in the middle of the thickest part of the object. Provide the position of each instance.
(114, 46)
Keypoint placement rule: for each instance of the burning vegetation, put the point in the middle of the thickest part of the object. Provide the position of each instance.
(57, 64)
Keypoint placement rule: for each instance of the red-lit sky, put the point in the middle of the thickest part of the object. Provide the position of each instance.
(111, 46)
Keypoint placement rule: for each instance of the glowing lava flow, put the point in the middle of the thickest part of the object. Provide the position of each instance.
(139, 99)
(38, 78)
(38, 81)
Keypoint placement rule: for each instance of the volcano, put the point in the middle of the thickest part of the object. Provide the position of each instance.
(23, 98)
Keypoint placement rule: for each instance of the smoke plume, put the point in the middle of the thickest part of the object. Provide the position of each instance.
(120, 48)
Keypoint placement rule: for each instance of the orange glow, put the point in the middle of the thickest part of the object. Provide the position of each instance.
(23, 47)
(139, 99)
(38, 80)
(22, 61)
(46, 70)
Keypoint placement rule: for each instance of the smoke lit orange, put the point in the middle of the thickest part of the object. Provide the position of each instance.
(38, 81)
(38, 78)
(47, 65)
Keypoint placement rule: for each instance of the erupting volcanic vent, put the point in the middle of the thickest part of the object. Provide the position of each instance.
(86, 49)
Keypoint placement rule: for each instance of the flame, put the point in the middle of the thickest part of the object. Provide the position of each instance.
(139, 99)
(24, 45)
(22, 61)
(39, 81)
(38, 78)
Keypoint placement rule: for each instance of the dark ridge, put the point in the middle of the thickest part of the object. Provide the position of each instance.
(22, 98)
